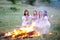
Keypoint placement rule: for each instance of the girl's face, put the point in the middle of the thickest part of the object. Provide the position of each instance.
(40, 13)
(35, 13)
(26, 13)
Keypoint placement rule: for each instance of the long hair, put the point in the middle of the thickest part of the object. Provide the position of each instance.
(35, 11)
(45, 13)
(40, 14)
(25, 12)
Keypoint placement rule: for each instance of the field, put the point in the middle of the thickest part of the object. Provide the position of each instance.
(11, 16)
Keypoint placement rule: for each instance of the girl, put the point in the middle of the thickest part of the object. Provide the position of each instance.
(40, 24)
(35, 18)
(26, 19)
(46, 23)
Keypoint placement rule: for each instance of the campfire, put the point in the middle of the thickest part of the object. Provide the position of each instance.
(23, 32)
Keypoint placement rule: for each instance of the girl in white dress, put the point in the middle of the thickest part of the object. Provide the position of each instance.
(26, 19)
(47, 23)
(40, 24)
(35, 18)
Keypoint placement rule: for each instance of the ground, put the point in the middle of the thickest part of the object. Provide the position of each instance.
(9, 19)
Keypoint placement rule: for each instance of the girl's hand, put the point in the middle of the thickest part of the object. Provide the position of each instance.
(27, 18)
(33, 19)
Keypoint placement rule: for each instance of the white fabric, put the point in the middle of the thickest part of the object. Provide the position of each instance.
(46, 25)
(35, 20)
(40, 25)
(26, 22)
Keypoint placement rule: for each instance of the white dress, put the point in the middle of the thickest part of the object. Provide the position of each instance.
(46, 25)
(26, 22)
(40, 25)
(35, 20)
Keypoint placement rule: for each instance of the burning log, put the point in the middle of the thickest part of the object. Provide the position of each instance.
(21, 33)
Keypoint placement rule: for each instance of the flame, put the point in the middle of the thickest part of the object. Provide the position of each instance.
(27, 31)
(8, 34)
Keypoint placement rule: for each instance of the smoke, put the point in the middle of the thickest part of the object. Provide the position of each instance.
(43, 29)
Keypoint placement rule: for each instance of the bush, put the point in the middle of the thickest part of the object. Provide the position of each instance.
(13, 1)
(30, 2)
(13, 8)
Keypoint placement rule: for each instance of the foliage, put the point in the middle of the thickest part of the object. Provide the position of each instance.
(46, 1)
(30, 2)
(13, 1)
(13, 8)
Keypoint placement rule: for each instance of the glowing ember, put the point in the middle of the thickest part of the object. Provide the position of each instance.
(50, 33)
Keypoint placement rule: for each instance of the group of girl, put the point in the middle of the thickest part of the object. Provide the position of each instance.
(40, 20)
